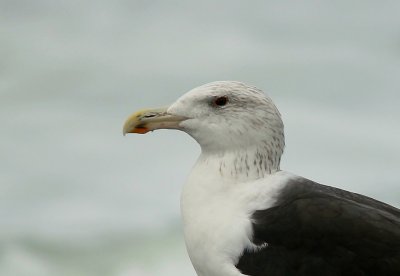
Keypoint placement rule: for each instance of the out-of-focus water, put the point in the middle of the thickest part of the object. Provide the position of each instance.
(78, 198)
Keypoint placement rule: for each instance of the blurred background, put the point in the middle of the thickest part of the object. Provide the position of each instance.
(78, 198)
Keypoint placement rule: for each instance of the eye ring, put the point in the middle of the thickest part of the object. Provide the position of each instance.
(221, 101)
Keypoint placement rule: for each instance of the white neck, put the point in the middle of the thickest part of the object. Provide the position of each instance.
(222, 190)
(240, 165)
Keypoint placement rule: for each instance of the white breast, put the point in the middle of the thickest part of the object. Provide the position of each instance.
(216, 212)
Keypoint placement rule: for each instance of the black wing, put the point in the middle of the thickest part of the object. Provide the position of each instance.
(320, 230)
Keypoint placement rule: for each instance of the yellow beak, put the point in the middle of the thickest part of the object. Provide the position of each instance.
(147, 120)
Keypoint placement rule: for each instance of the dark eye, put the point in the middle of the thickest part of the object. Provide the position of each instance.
(221, 101)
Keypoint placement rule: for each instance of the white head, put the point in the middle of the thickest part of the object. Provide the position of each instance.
(221, 116)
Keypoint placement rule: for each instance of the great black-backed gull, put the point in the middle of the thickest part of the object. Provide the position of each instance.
(242, 215)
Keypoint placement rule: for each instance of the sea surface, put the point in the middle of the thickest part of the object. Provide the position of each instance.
(78, 198)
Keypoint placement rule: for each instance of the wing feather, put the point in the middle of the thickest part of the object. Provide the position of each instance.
(319, 230)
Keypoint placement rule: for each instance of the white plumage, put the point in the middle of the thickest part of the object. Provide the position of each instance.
(216, 215)
(233, 177)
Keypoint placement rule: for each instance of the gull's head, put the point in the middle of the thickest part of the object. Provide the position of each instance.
(220, 116)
